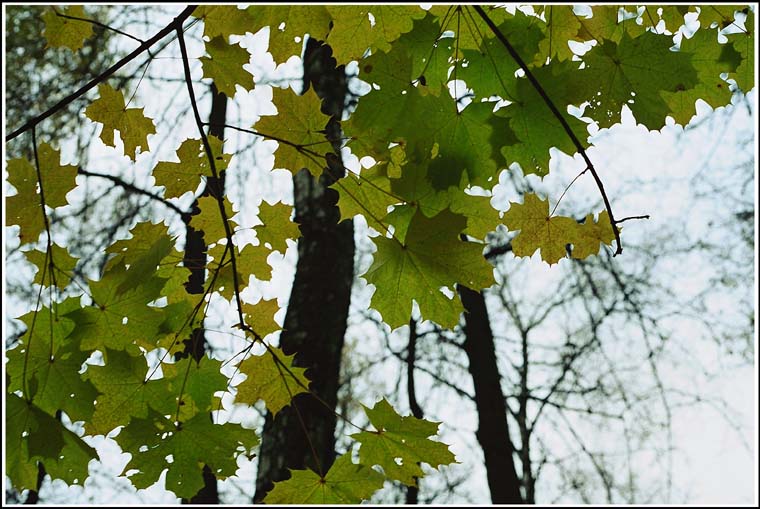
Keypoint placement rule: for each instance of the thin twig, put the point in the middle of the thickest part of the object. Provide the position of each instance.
(98, 23)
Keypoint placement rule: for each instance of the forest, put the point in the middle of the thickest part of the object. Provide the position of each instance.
(391, 254)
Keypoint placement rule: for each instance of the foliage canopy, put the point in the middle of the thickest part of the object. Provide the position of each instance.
(449, 108)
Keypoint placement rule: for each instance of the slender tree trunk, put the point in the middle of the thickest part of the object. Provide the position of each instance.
(493, 427)
(195, 260)
(302, 435)
(412, 492)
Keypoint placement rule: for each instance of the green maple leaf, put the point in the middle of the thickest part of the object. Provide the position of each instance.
(277, 226)
(122, 296)
(225, 64)
(634, 72)
(431, 257)
(271, 377)
(482, 218)
(57, 179)
(604, 24)
(51, 362)
(111, 111)
(353, 32)
(250, 261)
(224, 20)
(288, 22)
(184, 176)
(722, 15)
(489, 71)
(145, 237)
(209, 221)
(562, 26)
(126, 392)
(590, 234)
(24, 208)
(368, 194)
(532, 127)
(299, 127)
(539, 230)
(33, 435)
(457, 135)
(710, 59)
(400, 444)
(191, 444)
(260, 316)
(673, 15)
(62, 263)
(66, 32)
(744, 43)
(345, 483)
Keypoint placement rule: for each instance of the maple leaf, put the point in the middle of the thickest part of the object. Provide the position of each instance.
(590, 234)
(188, 445)
(399, 444)
(66, 32)
(224, 20)
(184, 176)
(33, 435)
(539, 230)
(121, 294)
(51, 360)
(288, 24)
(260, 316)
(744, 44)
(633, 72)
(368, 194)
(276, 225)
(561, 27)
(353, 33)
(710, 60)
(299, 127)
(111, 111)
(345, 483)
(533, 129)
(225, 64)
(63, 265)
(271, 377)
(209, 221)
(250, 261)
(431, 257)
(24, 208)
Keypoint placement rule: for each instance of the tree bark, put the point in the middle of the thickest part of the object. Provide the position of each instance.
(493, 427)
(412, 492)
(302, 435)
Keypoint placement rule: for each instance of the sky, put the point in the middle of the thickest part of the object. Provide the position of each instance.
(644, 173)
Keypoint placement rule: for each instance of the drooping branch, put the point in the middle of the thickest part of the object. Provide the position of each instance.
(175, 23)
(555, 111)
(212, 166)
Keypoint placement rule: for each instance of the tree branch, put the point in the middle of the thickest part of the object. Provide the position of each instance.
(579, 147)
(176, 23)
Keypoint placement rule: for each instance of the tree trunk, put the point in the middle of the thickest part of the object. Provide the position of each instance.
(493, 429)
(195, 260)
(303, 434)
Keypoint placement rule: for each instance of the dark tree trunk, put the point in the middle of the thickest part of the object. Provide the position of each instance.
(493, 430)
(412, 492)
(303, 434)
(33, 497)
(195, 260)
